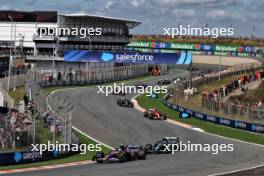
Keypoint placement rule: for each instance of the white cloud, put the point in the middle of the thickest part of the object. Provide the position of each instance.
(217, 14)
(109, 4)
(137, 3)
(238, 16)
(183, 13)
(220, 14)
(4, 7)
(185, 2)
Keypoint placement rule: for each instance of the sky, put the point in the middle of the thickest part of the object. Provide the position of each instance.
(158, 14)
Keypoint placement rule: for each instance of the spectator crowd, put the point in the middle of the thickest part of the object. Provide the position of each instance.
(213, 99)
(49, 123)
(225, 90)
(18, 122)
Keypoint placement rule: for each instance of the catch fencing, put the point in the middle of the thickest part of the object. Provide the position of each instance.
(247, 113)
(54, 111)
(91, 75)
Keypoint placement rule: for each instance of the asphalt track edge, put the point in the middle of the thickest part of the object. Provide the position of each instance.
(202, 131)
(239, 170)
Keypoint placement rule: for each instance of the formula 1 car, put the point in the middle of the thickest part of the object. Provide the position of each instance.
(140, 85)
(164, 82)
(120, 92)
(154, 114)
(162, 146)
(121, 154)
(153, 95)
(125, 102)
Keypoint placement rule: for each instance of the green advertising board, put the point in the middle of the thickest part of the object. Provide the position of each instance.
(186, 46)
(226, 48)
(140, 44)
(191, 46)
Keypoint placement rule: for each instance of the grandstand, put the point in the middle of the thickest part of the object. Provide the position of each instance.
(19, 31)
(18, 28)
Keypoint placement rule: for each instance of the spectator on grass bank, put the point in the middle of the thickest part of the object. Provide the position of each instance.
(31, 106)
(259, 104)
(225, 90)
(244, 89)
(2, 141)
(26, 99)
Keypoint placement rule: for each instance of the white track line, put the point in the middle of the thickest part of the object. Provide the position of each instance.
(239, 170)
(86, 135)
(202, 131)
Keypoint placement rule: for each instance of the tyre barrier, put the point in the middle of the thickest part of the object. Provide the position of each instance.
(251, 127)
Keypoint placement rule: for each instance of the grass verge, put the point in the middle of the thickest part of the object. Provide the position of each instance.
(17, 94)
(147, 102)
(72, 158)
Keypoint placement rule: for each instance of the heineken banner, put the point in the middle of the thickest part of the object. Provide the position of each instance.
(189, 46)
(127, 57)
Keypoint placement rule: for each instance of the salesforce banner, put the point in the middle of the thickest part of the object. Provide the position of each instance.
(121, 57)
(22, 157)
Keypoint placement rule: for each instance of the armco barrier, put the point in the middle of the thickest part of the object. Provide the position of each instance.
(256, 128)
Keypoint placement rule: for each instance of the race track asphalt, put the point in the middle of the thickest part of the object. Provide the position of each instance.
(100, 117)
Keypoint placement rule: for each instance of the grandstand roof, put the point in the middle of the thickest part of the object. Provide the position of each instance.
(130, 23)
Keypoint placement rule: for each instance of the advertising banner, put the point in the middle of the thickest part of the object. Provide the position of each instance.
(140, 44)
(205, 47)
(20, 157)
(190, 46)
(226, 48)
(121, 57)
(257, 128)
(183, 46)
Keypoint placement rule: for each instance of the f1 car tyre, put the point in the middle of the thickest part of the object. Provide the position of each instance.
(122, 157)
(164, 116)
(150, 116)
(98, 155)
(148, 147)
(142, 154)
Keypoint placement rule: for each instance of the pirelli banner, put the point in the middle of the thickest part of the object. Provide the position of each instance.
(127, 57)
(256, 128)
